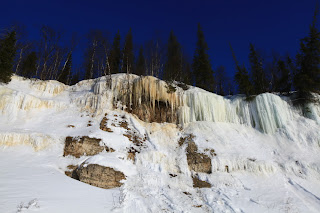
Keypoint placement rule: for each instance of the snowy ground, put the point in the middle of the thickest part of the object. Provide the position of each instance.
(274, 172)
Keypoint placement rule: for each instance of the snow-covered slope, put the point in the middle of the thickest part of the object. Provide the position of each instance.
(266, 153)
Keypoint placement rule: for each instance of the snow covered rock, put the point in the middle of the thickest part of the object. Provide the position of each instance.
(100, 176)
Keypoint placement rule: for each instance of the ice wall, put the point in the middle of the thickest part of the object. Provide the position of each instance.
(266, 112)
(19, 105)
(125, 92)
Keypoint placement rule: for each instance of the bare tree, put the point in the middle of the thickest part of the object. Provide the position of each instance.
(49, 52)
(154, 58)
(96, 54)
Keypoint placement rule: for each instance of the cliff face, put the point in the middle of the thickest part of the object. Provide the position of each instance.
(168, 149)
(151, 100)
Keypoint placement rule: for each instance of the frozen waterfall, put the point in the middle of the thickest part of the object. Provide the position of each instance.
(267, 112)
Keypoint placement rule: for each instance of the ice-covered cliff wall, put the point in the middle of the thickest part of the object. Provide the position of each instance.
(267, 112)
(21, 97)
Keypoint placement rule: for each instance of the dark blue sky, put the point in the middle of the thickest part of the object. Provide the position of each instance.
(270, 25)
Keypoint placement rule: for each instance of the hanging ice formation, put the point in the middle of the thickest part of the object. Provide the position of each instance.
(267, 112)
(150, 99)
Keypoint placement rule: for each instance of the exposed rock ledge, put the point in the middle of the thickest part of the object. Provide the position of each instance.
(84, 146)
(197, 162)
(100, 176)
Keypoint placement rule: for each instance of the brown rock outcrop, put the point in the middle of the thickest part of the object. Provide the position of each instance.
(200, 183)
(100, 176)
(83, 146)
(160, 113)
(71, 172)
(197, 162)
(151, 99)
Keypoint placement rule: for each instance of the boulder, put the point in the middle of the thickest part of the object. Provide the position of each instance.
(100, 176)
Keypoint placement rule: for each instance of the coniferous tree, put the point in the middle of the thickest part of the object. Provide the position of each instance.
(230, 87)
(201, 66)
(188, 74)
(115, 54)
(243, 81)
(220, 79)
(307, 77)
(140, 68)
(29, 65)
(66, 70)
(128, 57)
(7, 55)
(172, 69)
(283, 84)
(242, 77)
(260, 83)
(273, 70)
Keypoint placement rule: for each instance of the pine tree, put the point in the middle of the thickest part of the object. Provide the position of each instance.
(66, 70)
(242, 77)
(188, 74)
(243, 81)
(259, 79)
(307, 77)
(172, 69)
(283, 84)
(128, 57)
(7, 55)
(115, 54)
(201, 66)
(220, 79)
(29, 65)
(140, 68)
